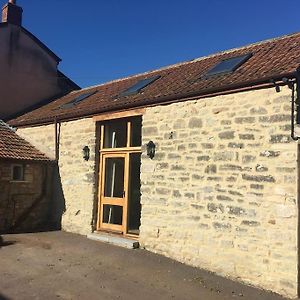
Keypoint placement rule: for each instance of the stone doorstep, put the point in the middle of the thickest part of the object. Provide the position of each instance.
(114, 240)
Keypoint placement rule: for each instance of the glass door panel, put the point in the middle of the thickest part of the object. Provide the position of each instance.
(114, 177)
(115, 134)
(136, 134)
(134, 195)
(112, 214)
(113, 208)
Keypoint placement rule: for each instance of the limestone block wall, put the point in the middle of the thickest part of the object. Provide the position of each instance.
(76, 176)
(42, 137)
(221, 191)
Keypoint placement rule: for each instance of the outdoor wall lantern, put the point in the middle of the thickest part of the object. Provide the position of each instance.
(86, 153)
(151, 149)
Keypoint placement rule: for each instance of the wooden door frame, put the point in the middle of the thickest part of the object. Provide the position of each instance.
(105, 200)
(116, 152)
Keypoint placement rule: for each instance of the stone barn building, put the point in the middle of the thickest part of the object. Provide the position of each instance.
(197, 161)
(25, 193)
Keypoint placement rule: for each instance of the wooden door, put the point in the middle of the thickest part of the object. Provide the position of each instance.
(114, 192)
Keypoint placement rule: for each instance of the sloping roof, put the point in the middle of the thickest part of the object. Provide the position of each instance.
(274, 58)
(64, 80)
(67, 82)
(35, 39)
(13, 146)
(66, 85)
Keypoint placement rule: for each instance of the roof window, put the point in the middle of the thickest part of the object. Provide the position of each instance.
(228, 65)
(77, 100)
(136, 88)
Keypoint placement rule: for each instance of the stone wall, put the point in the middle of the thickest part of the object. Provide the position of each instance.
(42, 137)
(221, 192)
(77, 177)
(25, 205)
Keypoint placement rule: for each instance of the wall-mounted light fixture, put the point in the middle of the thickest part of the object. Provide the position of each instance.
(276, 85)
(86, 153)
(151, 149)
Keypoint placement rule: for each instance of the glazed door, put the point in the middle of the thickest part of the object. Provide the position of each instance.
(114, 191)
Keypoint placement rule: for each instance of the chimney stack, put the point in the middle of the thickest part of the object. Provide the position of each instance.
(11, 13)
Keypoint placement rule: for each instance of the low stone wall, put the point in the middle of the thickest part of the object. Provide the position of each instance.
(76, 182)
(221, 192)
(25, 205)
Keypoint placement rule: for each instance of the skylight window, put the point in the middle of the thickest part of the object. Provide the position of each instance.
(136, 88)
(77, 100)
(228, 65)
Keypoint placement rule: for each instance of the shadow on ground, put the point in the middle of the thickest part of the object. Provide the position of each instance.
(3, 297)
(4, 244)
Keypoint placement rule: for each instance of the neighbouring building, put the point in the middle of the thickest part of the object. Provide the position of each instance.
(198, 161)
(29, 73)
(26, 174)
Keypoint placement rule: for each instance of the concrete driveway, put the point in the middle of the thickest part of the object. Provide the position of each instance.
(58, 265)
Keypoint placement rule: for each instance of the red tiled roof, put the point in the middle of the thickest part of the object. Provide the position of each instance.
(13, 146)
(271, 59)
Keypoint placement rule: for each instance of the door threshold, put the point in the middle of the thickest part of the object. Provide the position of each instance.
(114, 239)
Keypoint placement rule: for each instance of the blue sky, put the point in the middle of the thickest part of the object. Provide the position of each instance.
(100, 40)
